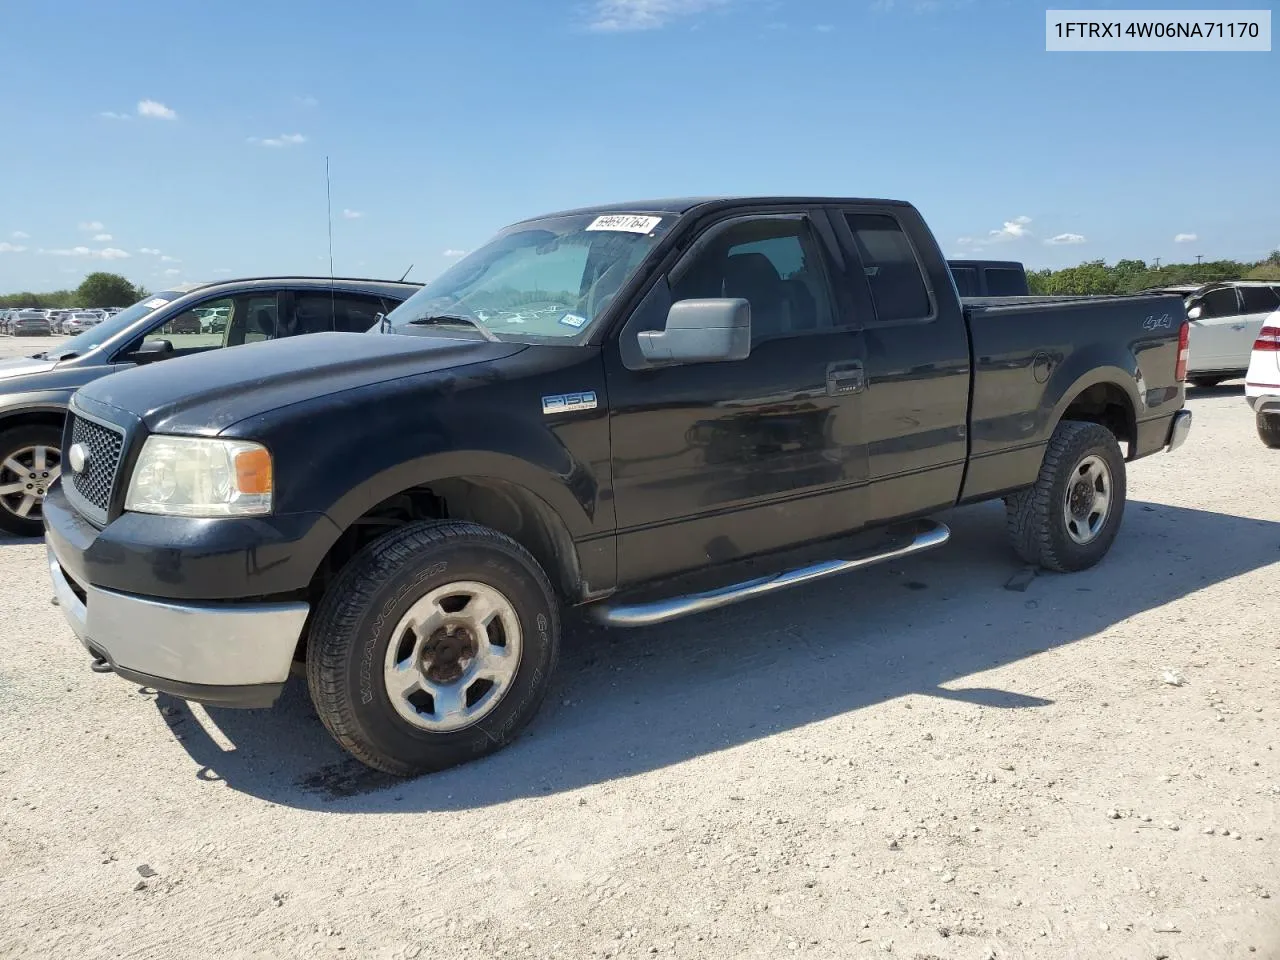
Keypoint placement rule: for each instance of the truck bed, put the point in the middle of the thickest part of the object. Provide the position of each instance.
(1069, 343)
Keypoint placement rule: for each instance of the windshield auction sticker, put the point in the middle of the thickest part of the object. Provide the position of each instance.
(625, 222)
(1154, 31)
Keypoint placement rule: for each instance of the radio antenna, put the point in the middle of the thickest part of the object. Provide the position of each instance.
(406, 273)
(328, 202)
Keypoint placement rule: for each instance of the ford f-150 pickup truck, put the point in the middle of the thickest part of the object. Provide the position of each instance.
(648, 410)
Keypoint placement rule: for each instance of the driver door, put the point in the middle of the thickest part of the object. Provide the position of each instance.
(713, 462)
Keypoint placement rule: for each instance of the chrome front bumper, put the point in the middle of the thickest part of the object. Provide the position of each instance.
(228, 654)
(1179, 429)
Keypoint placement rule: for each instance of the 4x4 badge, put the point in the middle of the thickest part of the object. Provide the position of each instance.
(569, 402)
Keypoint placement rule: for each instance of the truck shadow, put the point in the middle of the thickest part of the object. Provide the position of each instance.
(627, 702)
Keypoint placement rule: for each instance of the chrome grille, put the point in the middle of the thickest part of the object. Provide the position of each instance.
(104, 447)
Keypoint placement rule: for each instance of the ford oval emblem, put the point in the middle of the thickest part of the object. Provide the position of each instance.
(78, 456)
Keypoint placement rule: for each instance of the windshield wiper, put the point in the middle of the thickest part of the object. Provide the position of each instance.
(454, 320)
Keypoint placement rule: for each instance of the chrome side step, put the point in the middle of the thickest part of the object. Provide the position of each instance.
(930, 534)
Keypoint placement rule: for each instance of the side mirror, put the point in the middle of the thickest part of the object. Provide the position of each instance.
(1195, 312)
(700, 331)
(151, 350)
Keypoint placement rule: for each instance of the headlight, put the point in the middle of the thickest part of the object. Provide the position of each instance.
(201, 477)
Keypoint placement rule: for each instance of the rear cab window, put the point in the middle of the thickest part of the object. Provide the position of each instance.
(894, 273)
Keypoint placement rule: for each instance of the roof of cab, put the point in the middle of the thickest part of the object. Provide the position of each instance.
(683, 205)
(401, 288)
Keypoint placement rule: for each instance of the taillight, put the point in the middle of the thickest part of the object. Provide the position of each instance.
(1268, 339)
(1184, 350)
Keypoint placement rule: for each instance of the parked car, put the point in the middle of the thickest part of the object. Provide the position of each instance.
(1262, 381)
(34, 390)
(654, 410)
(989, 278)
(80, 322)
(30, 323)
(1225, 320)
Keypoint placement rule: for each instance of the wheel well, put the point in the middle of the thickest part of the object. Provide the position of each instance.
(498, 504)
(1107, 405)
(49, 418)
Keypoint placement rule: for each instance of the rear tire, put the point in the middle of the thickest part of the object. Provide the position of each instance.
(1069, 518)
(1206, 383)
(476, 632)
(36, 450)
(1269, 429)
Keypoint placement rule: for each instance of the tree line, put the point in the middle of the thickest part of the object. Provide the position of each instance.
(1131, 276)
(96, 290)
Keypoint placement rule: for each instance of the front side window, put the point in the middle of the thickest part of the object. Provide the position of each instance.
(1219, 303)
(893, 272)
(773, 263)
(193, 329)
(548, 279)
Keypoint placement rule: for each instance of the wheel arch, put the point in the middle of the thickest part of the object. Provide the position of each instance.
(1107, 396)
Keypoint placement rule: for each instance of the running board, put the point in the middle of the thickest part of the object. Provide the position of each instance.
(929, 534)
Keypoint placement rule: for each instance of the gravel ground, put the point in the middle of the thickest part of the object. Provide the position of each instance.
(915, 761)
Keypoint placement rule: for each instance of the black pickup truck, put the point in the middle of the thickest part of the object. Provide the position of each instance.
(649, 410)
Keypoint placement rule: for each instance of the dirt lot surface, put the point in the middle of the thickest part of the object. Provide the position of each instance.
(917, 761)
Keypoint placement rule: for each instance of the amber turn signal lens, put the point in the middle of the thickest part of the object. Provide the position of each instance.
(253, 471)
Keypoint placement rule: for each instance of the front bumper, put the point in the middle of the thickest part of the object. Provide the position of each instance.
(1178, 430)
(222, 654)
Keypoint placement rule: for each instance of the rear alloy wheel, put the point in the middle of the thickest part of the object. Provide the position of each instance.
(1269, 429)
(30, 460)
(434, 645)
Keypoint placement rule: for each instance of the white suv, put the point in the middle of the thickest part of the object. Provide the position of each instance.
(1225, 320)
(1262, 382)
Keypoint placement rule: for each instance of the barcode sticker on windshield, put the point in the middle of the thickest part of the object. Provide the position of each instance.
(156, 303)
(625, 222)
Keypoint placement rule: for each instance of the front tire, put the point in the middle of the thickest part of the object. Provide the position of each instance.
(30, 460)
(1068, 520)
(1269, 429)
(435, 645)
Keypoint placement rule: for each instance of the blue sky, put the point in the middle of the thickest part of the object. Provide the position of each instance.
(180, 141)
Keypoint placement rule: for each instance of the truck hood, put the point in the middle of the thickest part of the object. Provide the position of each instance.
(21, 366)
(207, 392)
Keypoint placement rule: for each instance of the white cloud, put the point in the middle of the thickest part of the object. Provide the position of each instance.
(284, 140)
(351, 214)
(19, 235)
(112, 115)
(454, 254)
(106, 253)
(91, 226)
(1063, 239)
(616, 16)
(1012, 230)
(101, 237)
(307, 101)
(168, 259)
(1185, 238)
(152, 251)
(155, 109)
(172, 272)
(7, 247)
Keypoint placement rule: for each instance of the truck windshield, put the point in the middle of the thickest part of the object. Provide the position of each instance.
(538, 280)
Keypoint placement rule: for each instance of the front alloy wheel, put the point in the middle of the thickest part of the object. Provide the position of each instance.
(29, 463)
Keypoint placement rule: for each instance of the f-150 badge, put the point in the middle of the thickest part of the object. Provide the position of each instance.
(569, 402)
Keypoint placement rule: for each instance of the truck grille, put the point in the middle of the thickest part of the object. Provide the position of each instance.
(104, 447)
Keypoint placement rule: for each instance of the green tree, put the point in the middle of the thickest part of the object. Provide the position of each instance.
(106, 290)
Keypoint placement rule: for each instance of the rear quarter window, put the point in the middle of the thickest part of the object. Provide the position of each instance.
(893, 272)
